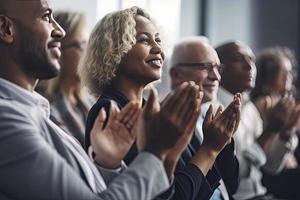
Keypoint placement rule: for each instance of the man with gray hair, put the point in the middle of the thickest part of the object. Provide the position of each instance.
(193, 59)
(38, 160)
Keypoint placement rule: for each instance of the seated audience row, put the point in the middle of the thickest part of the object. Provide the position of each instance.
(236, 141)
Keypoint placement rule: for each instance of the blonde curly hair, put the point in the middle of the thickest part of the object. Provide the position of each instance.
(110, 41)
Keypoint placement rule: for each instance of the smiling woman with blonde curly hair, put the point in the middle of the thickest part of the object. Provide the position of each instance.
(124, 54)
(110, 41)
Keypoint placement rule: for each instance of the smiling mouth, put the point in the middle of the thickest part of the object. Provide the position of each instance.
(55, 51)
(157, 63)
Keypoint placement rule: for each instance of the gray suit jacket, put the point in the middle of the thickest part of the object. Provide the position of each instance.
(35, 163)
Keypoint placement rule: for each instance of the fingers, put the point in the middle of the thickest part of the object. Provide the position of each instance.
(99, 120)
(192, 116)
(294, 117)
(238, 104)
(152, 104)
(185, 102)
(209, 116)
(232, 114)
(127, 112)
(218, 112)
(189, 105)
(128, 115)
(174, 97)
(112, 112)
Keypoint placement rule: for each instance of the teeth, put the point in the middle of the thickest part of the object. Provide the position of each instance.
(156, 62)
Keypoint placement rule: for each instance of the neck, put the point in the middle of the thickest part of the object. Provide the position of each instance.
(232, 89)
(14, 73)
(133, 91)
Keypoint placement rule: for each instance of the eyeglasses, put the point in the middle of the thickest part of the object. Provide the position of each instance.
(203, 66)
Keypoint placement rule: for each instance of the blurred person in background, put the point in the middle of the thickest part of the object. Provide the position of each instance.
(274, 82)
(70, 102)
(254, 141)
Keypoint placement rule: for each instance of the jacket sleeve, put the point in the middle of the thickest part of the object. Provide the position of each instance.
(190, 183)
(31, 168)
(228, 166)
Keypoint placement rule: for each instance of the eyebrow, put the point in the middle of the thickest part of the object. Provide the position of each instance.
(148, 34)
(44, 8)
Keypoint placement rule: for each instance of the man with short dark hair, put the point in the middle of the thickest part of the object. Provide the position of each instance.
(40, 161)
(253, 141)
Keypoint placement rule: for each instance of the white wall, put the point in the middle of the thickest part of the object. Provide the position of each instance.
(189, 18)
(229, 20)
(88, 7)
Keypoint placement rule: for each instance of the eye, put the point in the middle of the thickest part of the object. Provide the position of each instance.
(47, 16)
(158, 40)
(143, 40)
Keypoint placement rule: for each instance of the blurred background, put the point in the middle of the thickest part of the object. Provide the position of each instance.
(258, 23)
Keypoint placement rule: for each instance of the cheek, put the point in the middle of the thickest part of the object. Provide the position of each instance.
(288, 82)
(199, 78)
(138, 53)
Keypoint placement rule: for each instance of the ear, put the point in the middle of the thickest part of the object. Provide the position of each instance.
(6, 29)
(176, 77)
(174, 73)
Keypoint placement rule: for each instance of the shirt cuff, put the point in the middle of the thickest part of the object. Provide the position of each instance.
(255, 155)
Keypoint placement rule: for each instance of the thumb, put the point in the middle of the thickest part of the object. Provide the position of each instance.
(100, 119)
(209, 115)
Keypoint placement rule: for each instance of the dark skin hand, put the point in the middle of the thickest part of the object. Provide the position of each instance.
(175, 153)
(218, 131)
(112, 142)
(281, 120)
(162, 127)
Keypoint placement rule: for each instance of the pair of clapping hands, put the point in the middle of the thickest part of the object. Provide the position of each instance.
(162, 129)
(281, 114)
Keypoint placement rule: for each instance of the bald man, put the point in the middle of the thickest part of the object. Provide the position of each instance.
(194, 59)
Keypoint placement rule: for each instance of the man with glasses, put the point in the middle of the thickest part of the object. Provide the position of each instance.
(38, 160)
(193, 59)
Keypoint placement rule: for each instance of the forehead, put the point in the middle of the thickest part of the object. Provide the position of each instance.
(27, 8)
(144, 25)
(240, 49)
(200, 53)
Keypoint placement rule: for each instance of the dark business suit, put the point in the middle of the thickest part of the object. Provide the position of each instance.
(189, 182)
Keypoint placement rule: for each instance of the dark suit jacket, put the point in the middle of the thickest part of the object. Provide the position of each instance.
(189, 182)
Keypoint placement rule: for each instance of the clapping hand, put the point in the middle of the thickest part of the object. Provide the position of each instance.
(112, 142)
(161, 127)
(218, 129)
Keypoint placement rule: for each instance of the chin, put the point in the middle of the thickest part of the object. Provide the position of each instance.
(155, 77)
(51, 72)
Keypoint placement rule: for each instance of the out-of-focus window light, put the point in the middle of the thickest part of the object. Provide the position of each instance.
(165, 12)
(106, 6)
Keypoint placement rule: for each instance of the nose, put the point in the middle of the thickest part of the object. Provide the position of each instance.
(214, 74)
(249, 64)
(157, 49)
(58, 32)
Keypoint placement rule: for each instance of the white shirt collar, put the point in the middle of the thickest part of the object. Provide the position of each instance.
(12, 91)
